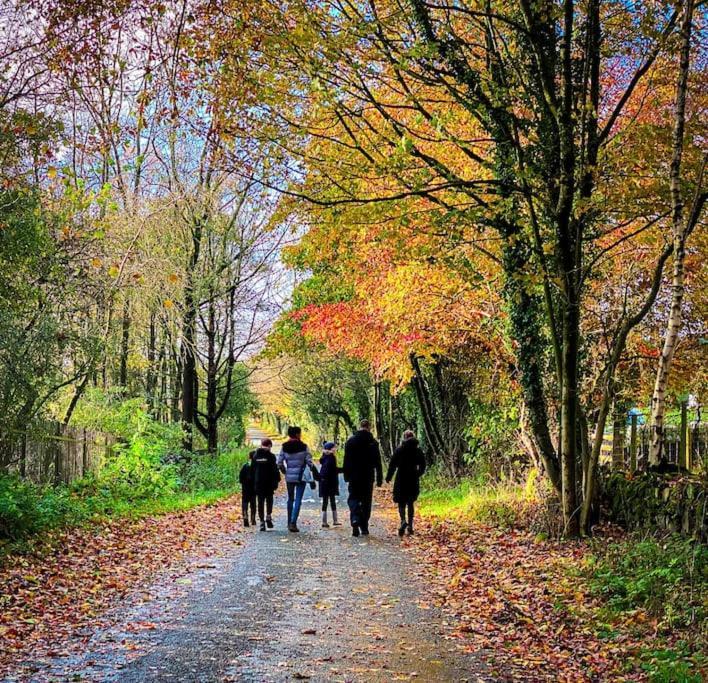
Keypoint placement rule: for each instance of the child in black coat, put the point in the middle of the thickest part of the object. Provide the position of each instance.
(329, 483)
(248, 490)
(266, 480)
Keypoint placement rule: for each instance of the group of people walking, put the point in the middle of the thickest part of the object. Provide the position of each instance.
(361, 467)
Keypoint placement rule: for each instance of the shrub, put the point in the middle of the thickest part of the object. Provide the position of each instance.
(26, 508)
(212, 472)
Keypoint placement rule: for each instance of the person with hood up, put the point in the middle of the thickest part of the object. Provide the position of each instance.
(361, 466)
(266, 478)
(329, 482)
(248, 494)
(408, 464)
(295, 461)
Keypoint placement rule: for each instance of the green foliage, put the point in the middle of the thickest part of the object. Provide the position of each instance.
(667, 577)
(126, 419)
(492, 435)
(26, 508)
(213, 472)
(674, 665)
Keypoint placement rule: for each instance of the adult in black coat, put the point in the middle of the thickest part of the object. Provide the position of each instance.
(408, 465)
(361, 467)
(266, 478)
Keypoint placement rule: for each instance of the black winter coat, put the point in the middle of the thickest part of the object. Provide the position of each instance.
(362, 460)
(329, 475)
(266, 476)
(408, 464)
(246, 479)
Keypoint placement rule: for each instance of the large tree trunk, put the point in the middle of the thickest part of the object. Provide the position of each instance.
(680, 230)
(569, 420)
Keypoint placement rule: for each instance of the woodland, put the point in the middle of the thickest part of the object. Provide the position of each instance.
(483, 221)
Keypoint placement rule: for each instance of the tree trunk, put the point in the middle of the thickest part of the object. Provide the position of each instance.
(569, 418)
(188, 348)
(151, 376)
(680, 230)
(189, 370)
(124, 346)
(432, 432)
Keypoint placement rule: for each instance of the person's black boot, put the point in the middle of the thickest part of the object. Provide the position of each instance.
(402, 529)
(409, 529)
(263, 526)
(364, 529)
(253, 520)
(355, 530)
(245, 522)
(269, 522)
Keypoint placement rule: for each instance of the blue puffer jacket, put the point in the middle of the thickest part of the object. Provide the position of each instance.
(294, 456)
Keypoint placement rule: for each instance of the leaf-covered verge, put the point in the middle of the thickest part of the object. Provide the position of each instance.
(53, 596)
(624, 607)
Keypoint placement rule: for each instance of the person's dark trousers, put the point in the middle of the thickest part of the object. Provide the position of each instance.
(246, 503)
(332, 503)
(366, 502)
(402, 507)
(359, 502)
(265, 506)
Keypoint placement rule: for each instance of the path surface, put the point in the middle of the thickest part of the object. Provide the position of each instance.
(319, 605)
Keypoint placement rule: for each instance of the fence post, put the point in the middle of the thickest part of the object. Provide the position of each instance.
(23, 454)
(84, 453)
(683, 437)
(619, 428)
(57, 454)
(633, 445)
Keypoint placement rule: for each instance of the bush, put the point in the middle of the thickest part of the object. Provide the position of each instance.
(26, 508)
(213, 472)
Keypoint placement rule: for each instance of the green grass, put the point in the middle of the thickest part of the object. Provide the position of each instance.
(504, 504)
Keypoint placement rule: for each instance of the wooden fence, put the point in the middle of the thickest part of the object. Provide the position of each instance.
(626, 446)
(56, 453)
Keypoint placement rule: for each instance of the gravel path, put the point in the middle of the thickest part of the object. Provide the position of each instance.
(274, 606)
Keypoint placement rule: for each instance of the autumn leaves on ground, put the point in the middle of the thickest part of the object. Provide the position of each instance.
(509, 595)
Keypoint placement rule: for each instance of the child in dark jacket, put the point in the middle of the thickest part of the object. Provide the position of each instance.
(266, 479)
(248, 490)
(329, 483)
